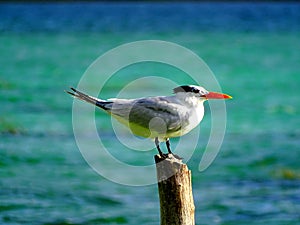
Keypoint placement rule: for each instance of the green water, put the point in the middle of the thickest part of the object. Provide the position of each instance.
(44, 179)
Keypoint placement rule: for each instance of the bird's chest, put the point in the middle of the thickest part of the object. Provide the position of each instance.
(193, 118)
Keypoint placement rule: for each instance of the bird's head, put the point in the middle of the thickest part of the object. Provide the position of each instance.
(200, 93)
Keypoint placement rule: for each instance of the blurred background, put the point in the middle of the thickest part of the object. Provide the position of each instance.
(252, 48)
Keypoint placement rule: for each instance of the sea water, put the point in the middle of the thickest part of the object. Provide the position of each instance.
(253, 50)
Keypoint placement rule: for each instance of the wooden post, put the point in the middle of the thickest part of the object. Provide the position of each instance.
(175, 191)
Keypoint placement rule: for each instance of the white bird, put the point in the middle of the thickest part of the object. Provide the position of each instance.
(161, 117)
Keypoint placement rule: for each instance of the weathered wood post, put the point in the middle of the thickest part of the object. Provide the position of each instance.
(175, 191)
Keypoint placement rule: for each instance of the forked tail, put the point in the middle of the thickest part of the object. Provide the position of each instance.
(95, 101)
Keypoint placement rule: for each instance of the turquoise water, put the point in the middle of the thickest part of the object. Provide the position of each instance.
(253, 49)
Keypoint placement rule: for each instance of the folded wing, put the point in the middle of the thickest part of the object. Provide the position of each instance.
(157, 112)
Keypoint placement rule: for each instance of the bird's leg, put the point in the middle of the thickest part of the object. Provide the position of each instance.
(158, 148)
(169, 149)
(168, 146)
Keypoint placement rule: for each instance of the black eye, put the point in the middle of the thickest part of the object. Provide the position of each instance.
(186, 88)
(195, 90)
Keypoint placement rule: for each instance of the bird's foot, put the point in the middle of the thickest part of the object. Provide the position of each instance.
(170, 155)
(164, 156)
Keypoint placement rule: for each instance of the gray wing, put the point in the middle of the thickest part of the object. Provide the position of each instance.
(170, 115)
(142, 111)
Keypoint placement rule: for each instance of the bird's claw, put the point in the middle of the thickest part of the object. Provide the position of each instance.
(170, 155)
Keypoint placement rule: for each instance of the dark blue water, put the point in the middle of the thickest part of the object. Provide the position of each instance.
(147, 17)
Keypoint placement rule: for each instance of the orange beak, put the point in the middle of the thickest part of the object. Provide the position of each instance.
(215, 95)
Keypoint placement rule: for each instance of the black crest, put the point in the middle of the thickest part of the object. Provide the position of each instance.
(186, 88)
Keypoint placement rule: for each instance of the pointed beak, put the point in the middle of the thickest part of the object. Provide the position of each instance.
(215, 95)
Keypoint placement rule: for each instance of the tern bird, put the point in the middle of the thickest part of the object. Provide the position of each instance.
(158, 118)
